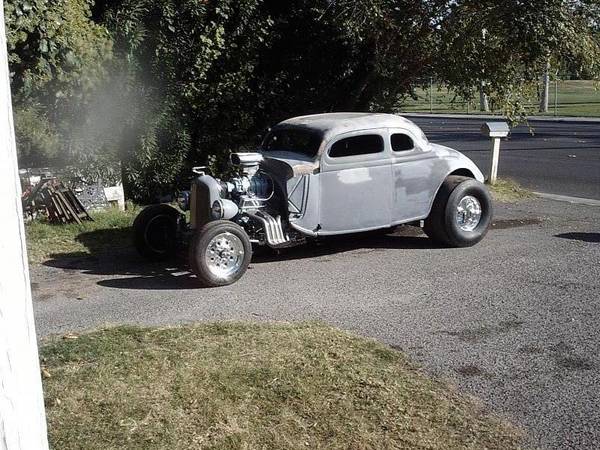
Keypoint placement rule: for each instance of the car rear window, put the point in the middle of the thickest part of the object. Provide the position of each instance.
(365, 144)
(305, 142)
(402, 142)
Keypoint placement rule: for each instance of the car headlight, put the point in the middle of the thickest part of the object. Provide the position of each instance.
(224, 209)
(217, 210)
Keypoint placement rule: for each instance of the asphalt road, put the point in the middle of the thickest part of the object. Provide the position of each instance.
(559, 158)
(514, 321)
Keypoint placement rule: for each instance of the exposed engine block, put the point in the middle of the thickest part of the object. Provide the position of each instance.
(254, 185)
(246, 199)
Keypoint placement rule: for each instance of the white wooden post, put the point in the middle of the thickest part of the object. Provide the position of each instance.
(22, 416)
(495, 131)
(495, 159)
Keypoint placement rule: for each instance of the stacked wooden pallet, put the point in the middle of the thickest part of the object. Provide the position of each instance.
(55, 201)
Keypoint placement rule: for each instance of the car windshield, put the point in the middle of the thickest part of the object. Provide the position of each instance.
(305, 142)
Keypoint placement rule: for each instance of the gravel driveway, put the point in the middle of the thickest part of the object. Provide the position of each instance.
(514, 321)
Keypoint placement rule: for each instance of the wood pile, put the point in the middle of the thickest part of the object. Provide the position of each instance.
(52, 199)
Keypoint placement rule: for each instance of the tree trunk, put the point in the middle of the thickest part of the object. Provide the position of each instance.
(545, 94)
(484, 104)
(22, 416)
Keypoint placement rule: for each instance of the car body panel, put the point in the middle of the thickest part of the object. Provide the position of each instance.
(358, 193)
(355, 190)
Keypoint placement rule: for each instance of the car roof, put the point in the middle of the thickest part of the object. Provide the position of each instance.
(333, 124)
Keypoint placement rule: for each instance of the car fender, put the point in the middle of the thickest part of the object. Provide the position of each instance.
(454, 163)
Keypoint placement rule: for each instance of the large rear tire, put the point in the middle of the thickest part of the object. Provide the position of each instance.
(220, 253)
(155, 232)
(461, 213)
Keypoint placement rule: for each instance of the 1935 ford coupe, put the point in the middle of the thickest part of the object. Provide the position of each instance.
(316, 176)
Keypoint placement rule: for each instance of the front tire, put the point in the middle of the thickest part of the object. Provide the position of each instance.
(461, 213)
(155, 232)
(220, 253)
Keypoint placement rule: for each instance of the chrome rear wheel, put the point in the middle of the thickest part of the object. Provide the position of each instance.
(468, 213)
(461, 213)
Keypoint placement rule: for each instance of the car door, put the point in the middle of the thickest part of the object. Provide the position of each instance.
(412, 167)
(355, 182)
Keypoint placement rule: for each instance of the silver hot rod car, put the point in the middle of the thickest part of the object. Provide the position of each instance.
(316, 176)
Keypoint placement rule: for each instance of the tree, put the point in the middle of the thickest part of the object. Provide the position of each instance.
(191, 80)
(521, 37)
(57, 57)
(207, 77)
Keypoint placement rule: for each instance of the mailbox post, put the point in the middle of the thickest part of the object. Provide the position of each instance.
(496, 131)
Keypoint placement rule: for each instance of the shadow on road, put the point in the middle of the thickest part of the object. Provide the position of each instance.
(124, 269)
(583, 237)
(407, 238)
(131, 271)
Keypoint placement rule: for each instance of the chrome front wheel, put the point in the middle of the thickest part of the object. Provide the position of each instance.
(225, 254)
(220, 253)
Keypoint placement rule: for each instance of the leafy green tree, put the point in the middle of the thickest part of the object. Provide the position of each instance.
(57, 58)
(344, 55)
(185, 68)
(37, 140)
(507, 45)
(163, 85)
(206, 77)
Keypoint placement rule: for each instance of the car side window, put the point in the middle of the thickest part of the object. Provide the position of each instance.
(365, 144)
(402, 142)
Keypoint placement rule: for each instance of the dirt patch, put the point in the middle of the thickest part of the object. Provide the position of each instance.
(507, 325)
(574, 362)
(565, 357)
(530, 350)
(408, 230)
(503, 224)
(471, 335)
(471, 370)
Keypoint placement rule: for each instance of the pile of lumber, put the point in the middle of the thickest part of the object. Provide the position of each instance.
(52, 199)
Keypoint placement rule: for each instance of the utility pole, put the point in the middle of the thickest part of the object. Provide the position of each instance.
(545, 95)
(430, 95)
(484, 105)
(556, 94)
(22, 415)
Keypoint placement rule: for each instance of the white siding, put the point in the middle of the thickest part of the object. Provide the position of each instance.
(22, 416)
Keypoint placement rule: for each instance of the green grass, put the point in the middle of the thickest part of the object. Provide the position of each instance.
(579, 98)
(509, 191)
(242, 386)
(110, 231)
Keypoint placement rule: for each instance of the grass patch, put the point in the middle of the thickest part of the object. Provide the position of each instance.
(110, 230)
(231, 385)
(509, 191)
(578, 98)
